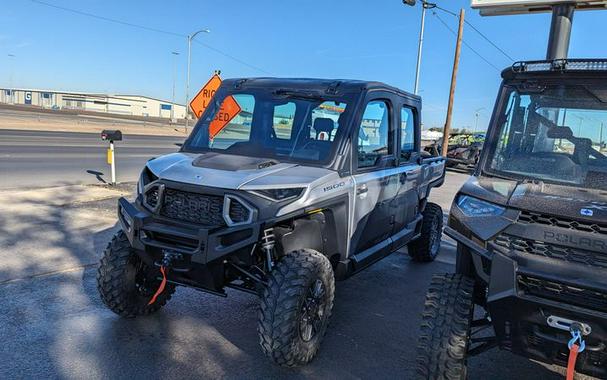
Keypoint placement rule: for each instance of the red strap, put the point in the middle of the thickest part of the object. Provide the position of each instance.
(160, 288)
(572, 359)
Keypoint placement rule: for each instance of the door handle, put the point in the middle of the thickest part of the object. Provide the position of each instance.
(362, 189)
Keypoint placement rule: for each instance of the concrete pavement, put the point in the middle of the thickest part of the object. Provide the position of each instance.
(53, 324)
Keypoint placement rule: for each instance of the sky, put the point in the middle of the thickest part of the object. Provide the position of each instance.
(48, 48)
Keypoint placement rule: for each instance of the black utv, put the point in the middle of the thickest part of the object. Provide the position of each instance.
(531, 230)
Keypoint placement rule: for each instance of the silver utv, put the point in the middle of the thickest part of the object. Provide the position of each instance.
(311, 180)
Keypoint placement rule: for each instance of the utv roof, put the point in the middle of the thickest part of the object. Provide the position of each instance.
(556, 68)
(328, 86)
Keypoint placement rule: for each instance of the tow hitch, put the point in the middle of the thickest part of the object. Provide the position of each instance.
(165, 264)
(576, 344)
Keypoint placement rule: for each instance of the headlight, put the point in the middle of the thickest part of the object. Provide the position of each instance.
(146, 177)
(475, 207)
(280, 194)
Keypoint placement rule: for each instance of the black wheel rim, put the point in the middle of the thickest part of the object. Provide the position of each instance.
(313, 311)
(144, 280)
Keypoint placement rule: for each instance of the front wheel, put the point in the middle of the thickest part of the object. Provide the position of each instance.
(296, 307)
(442, 349)
(125, 283)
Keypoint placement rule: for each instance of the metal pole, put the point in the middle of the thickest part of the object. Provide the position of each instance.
(601, 139)
(458, 48)
(419, 49)
(175, 54)
(113, 164)
(10, 84)
(187, 85)
(560, 31)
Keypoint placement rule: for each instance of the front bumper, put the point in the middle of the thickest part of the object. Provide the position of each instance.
(151, 235)
(523, 291)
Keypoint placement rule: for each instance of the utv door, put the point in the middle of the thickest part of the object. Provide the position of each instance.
(409, 178)
(376, 182)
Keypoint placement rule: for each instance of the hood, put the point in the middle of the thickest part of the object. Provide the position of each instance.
(232, 172)
(566, 201)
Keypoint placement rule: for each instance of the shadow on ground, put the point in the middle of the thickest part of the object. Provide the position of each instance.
(55, 326)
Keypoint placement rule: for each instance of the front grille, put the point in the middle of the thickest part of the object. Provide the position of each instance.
(193, 207)
(556, 291)
(554, 221)
(539, 248)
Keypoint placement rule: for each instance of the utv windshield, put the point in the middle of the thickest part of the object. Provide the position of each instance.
(553, 133)
(280, 125)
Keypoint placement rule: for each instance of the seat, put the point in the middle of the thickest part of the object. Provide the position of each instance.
(323, 125)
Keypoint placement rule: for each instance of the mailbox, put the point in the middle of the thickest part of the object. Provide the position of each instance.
(111, 135)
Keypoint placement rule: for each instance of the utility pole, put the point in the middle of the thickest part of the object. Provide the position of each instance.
(175, 54)
(187, 84)
(458, 48)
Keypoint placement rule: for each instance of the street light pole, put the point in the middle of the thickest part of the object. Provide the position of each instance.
(187, 85)
(420, 43)
(476, 114)
(10, 79)
(175, 54)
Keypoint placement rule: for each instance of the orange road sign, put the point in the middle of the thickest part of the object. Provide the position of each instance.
(228, 110)
(202, 100)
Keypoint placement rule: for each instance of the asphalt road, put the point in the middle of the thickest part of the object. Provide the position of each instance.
(40, 159)
(54, 325)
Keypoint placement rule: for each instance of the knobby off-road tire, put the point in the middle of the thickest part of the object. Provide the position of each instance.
(445, 330)
(296, 307)
(126, 284)
(426, 247)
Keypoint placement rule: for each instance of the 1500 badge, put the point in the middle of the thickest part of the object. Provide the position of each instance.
(334, 186)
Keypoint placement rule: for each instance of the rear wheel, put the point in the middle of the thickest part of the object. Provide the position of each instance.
(296, 307)
(426, 247)
(126, 284)
(444, 339)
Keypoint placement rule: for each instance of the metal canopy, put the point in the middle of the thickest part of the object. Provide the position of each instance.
(513, 7)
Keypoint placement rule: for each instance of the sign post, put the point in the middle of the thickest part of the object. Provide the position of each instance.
(111, 136)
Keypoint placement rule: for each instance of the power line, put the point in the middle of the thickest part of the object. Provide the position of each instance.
(149, 29)
(465, 43)
(479, 32)
(232, 57)
(491, 42)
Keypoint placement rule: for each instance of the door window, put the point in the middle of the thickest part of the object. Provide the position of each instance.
(374, 134)
(407, 133)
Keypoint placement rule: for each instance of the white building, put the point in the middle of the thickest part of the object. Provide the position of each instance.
(135, 105)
